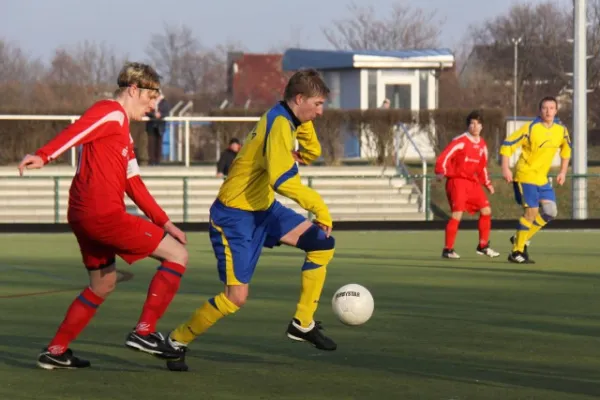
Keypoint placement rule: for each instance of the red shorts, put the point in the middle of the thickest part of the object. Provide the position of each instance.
(130, 237)
(466, 196)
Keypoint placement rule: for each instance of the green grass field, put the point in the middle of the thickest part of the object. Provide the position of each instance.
(468, 329)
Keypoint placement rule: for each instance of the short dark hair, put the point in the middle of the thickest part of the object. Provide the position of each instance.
(306, 82)
(474, 115)
(547, 98)
(234, 141)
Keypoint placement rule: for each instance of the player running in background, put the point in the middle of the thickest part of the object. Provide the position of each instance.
(464, 164)
(107, 169)
(539, 142)
(246, 217)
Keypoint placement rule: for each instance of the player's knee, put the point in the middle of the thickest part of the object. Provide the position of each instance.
(314, 239)
(104, 287)
(318, 247)
(530, 214)
(180, 256)
(486, 211)
(238, 295)
(549, 210)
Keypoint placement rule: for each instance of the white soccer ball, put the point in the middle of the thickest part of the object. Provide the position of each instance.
(353, 304)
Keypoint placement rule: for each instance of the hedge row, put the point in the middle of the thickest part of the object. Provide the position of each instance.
(440, 125)
(20, 137)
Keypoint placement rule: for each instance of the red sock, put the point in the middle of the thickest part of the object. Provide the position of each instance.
(451, 231)
(78, 316)
(162, 289)
(485, 226)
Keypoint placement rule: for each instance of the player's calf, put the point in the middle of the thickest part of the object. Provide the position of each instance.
(319, 250)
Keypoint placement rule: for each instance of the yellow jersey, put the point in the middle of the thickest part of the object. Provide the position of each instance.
(265, 165)
(538, 145)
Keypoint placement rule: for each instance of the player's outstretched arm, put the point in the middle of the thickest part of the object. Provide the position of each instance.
(137, 191)
(283, 172)
(94, 123)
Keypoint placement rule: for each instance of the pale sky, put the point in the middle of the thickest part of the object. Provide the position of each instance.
(40, 26)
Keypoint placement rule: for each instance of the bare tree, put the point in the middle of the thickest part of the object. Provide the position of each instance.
(15, 66)
(170, 49)
(544, 54)
(404, 27)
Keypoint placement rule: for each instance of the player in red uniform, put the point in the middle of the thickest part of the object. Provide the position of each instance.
(107, 170)
(464, 164)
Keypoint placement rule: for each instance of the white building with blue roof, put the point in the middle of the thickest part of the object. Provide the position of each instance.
(363, 79)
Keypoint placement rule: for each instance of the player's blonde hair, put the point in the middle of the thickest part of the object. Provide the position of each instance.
(141, 75)
(306, 82)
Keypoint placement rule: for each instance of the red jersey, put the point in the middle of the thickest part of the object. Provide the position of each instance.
(107, 167)
(465, 157)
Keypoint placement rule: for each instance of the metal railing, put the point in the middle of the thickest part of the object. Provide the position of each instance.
(185, 187)
(423, 191)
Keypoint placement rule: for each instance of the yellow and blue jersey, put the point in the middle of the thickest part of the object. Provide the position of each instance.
(538, 145)
(265, 165)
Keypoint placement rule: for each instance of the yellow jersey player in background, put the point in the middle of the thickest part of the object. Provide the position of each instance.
(246, 217)
(539, 141)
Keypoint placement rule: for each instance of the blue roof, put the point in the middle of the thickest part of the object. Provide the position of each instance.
(294, 59)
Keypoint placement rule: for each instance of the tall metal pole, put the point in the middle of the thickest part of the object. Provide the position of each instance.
(515, 80)
(579, 134)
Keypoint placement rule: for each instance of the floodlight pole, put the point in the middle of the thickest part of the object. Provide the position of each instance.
(579, 134)
(516, 43)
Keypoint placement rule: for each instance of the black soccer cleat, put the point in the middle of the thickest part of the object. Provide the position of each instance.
(487, 251)
(178, 364)
(519, 258)
(450, 253)
(525, 252)
(152, 343)
(312, 335)
(66, 360)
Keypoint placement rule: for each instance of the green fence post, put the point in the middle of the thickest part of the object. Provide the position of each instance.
(310, 183)
(56, 199)
(427, 199)
(185, 199)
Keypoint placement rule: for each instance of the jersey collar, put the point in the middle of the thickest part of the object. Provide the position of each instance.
(292, 117)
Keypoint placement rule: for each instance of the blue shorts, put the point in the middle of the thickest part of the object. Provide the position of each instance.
(238, 236)
(529, 195)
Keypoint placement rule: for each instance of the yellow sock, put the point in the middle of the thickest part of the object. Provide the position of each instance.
(522, 233)
(203, 318)
(314, 271)
(538, 224)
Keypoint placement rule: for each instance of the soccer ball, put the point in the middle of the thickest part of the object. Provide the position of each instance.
(353, 304)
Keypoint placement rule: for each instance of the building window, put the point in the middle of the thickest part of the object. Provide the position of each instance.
(424, 89)
(372, 80)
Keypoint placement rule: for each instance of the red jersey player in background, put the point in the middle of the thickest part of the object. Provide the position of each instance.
(107, 170)
(464, 164)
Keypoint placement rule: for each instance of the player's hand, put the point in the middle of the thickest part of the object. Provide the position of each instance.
(490, 189)
(439, 177)
(326, 229)
(30, 162)
(561, 178)
(507, 175)
(297, 157)
(174, 231)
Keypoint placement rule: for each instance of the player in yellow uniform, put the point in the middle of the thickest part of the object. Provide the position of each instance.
(246, 217)
(539, 141)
